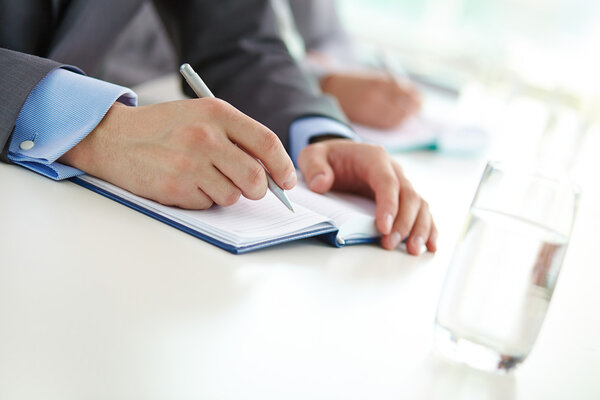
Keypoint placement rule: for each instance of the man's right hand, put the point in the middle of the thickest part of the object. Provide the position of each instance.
(184, 153)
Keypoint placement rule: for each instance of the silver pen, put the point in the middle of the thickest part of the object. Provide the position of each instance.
(201, 90)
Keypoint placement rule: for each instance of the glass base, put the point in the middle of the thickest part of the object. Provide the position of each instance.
(473, 354)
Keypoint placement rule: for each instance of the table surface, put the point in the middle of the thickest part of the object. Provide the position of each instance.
(98, 301)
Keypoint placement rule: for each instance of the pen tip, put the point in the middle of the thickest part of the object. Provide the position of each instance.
(184, 67)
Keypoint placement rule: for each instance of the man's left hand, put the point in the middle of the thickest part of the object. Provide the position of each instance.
(368, 170)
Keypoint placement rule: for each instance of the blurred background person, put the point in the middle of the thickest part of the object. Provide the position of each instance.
(315, 36)
(367, 95)
(524, 70)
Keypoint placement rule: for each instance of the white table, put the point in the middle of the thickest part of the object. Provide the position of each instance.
(98, 301)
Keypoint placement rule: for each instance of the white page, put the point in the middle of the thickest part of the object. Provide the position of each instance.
(263, 218)
(246, 222)
(354, 215)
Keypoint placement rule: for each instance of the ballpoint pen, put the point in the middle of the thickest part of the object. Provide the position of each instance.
(201, 90)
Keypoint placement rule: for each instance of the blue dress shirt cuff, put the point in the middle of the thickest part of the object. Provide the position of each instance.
(303, 129)
(59, 112)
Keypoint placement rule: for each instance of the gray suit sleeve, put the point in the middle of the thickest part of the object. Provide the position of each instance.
(235, 47)
(319, 25)
(20, 74)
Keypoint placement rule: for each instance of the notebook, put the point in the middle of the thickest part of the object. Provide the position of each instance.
(339, 219)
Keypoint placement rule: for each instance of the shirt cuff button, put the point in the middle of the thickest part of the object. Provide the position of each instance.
(27, 145)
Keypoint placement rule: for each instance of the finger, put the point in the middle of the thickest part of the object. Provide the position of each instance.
(421, 231)
(408, 208)
(243, 170)
(315, 168)
(382, 179)
(432, 242)
(261, 143)
(218, 187)
(182, 193)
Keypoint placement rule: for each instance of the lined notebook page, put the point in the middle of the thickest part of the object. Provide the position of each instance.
(336, 206)
(246, 222)
(258, 219)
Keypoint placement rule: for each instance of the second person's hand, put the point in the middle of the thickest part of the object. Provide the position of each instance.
(372, 99)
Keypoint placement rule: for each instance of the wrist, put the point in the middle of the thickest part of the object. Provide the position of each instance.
(88, 154)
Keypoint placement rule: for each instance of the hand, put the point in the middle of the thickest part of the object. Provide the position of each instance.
(184, 153)
(365, 169)
(373, 100)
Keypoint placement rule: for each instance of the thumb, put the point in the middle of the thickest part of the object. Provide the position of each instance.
(315, 168)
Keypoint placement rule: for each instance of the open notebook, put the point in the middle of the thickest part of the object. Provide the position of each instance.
(339, 219)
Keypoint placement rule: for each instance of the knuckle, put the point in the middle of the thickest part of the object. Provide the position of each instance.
(387, 187)
(256, 175)
(231, 197)
(205, 203)
(198, 135)
(390, 179)
(271, 142)
(256, 192)
(410, 195)
(378, 150)
(398, 168)
(214, 106)
(261, 191)
(182, 163)
(170, 190)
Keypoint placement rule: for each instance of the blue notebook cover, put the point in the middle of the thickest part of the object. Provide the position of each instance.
(326, 234)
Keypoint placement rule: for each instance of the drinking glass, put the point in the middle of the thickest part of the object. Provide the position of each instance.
(505, 266)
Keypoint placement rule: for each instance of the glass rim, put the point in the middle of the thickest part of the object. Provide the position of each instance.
(537, 171)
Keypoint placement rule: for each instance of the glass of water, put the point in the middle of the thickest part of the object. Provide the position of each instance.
(505, 267)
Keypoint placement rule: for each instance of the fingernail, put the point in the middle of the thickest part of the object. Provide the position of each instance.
(290, 181)
(315, 180)
(389, 221)
(395, 239)
(419, 242)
